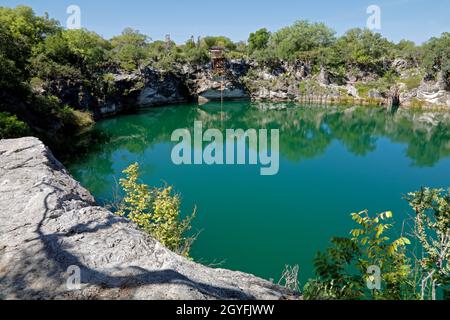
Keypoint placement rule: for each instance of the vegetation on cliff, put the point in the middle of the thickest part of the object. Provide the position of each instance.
(43, 65)
(32, 52)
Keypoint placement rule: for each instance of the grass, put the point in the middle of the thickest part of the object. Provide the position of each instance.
(417, 104)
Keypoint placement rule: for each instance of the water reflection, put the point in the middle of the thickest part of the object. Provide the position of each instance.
(305, 131)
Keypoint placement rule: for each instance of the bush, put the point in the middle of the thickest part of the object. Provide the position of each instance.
(432, 229)
(156, 211)
(11, 127)
(74, 119)
(382, 85)
(342, 271)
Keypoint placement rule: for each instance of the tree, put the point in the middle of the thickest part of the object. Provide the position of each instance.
(258, 40)
(75, 50)
(130, 49)
(301, 39)
(20, 31)
(409, 51)
(218, 41)
(90, 49)
(365, 50)
(437, 56)
(23, 30)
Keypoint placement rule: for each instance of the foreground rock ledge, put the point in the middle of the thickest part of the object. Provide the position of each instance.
(48, 222)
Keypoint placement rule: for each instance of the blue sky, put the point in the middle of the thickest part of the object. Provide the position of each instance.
(416, 20)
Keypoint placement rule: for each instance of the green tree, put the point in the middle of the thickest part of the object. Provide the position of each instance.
(258, 40)
(301, 40)
(218, 41)
(365, 50)
(20, 31)
(409, 51)
(437, 56)
(130, 49)
(81, 52)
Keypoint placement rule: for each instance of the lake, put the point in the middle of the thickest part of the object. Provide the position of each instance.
(334, 161)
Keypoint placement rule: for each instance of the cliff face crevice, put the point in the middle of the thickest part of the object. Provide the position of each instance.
(50, 226)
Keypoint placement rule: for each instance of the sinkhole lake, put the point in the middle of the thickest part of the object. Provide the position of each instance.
(333, 161)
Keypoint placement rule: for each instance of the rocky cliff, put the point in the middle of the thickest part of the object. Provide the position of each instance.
(246, 79)
(50, 226)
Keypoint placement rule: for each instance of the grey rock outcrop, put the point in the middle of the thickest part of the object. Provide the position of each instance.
(432, 92)
(324, 77)
(243, 79)
(162, 88)
(49, 223)
(210, 87)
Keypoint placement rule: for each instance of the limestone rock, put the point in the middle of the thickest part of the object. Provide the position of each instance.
(400, 65)
(324, 77)
(374, 94)
(162, 88)
(352, 91)
(211, 87)
(434, 92)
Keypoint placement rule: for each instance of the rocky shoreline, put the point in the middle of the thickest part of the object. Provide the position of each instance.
(51, 225)
(246, 80)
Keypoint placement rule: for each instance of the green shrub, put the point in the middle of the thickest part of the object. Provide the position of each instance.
(156, 211)
(312, 87)
(74, 119)
(342, 271)
(432, 229)
(11, 127)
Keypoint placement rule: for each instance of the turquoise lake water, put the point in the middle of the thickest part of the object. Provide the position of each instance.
(333, 161)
